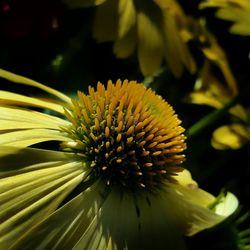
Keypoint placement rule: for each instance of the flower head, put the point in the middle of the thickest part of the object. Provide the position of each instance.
(115, 181)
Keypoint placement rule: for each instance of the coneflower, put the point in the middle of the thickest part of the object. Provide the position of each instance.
(115, 181)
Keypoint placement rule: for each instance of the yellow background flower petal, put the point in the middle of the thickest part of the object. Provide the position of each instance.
(230, 136)
(150, 44)
(127, 17)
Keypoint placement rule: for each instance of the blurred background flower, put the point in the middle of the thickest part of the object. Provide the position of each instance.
(157, 30)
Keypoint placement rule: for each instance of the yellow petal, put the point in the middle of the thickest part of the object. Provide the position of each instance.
(150, 44)
(230, 137)
(239, 15)
(24, 138)
(213, 52)
(204, 98)
(210, 91)
(125, 46)
(175, 24)
(23, 80)
(127, 17)
(9, 98)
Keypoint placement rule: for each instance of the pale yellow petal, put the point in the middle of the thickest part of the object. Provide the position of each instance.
(14, 160)
(24, 80)
(190, 205)
(227, 205)
(24, 138)
(230, 137)
(17, 118)
(150, 44)
(127, 17)
(65, 227)
(196, 195)
(9, 98)
(105, 27)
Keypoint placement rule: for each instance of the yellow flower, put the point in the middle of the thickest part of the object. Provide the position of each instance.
(236, 11)
(210, 91)
(157, 29)
(113, 182)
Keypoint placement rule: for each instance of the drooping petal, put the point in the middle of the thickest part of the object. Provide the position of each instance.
(24, 138)
(33, 192)
(9, 98)
(12, 118)
(24, 80)
(190, 205)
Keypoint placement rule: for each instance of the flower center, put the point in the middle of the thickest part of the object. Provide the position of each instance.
(126, 135)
